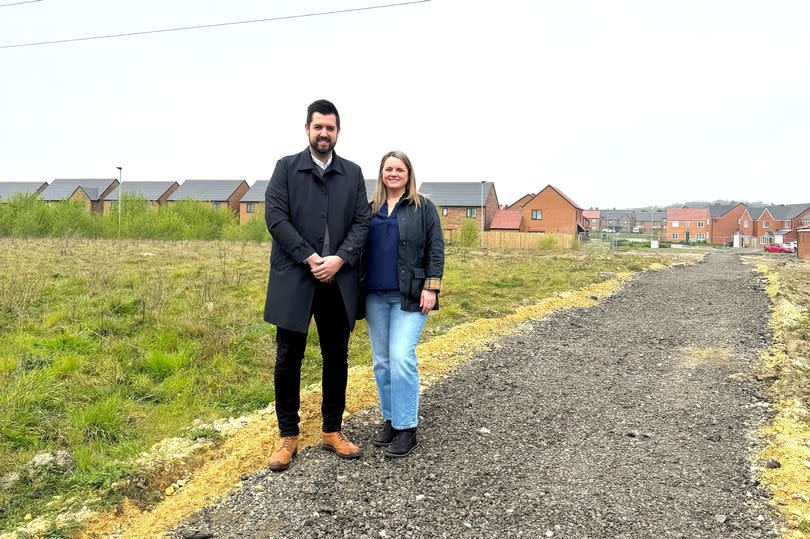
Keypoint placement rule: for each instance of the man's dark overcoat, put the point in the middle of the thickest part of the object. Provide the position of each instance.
(299, 205)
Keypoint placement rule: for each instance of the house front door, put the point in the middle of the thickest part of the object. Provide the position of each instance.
(687, 236)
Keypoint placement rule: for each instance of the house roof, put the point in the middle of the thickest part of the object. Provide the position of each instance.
(256, 192)
(91, 192)
(615, 214)
(506, 220)
(62, 189)
(784, 212)
(719, 210)
(206, 190)
(687, 214)
(150, 190)
(519, 203)
(9, 189)
(448, 194)
(590, 214)
(650, 216)
(755, 212)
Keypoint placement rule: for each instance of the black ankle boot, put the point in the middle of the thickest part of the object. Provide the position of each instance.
(386, 435)
(402, 445)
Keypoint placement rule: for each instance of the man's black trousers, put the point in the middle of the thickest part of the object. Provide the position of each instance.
(333, 333)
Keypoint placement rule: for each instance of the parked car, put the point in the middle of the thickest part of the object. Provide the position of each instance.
(779, 248)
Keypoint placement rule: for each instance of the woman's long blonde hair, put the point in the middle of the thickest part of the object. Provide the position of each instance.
(381, 192)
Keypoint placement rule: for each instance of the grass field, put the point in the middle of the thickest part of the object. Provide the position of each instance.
(106, 347)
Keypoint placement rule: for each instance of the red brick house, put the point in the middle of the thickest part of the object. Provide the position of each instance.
(155, 192)
(724, 222)
(459, 201)
(90, 192)
(218, 193)
(651, 222)
(519, 203)
(618, 220)
(787, 219)
(803, 243)
(594, 219)
(252, 203)
(551, 211)
(686, 225)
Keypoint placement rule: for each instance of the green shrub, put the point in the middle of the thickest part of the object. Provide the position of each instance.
(469, 235)
(545, 243)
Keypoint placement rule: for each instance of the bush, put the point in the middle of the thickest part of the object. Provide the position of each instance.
(469, 235)
(545, 243)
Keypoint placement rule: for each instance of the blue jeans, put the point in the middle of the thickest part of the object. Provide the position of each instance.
(394, 334)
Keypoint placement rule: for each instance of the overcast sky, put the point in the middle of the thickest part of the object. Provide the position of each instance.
(617, 104)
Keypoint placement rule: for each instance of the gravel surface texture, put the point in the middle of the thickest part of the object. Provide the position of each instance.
(590, 423)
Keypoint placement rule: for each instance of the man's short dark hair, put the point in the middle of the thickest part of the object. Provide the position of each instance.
(322, 106)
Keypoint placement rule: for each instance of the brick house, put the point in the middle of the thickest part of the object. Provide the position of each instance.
(463, 200)
(90, 192)
(252, 203)
(10, 189)
(519, 203)
(594, 218)
(551, 211)
(803, 243)
(618, 220)
(506, 220)
(651, 222)
(687, 225)
(155, 192)
(218, 193)
(748, 229)
(787, 219)
(724, 222)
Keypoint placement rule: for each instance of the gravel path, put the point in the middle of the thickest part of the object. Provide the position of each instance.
(591, 423)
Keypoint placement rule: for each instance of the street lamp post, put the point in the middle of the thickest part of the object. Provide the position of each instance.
(120, 201)
(482, 213)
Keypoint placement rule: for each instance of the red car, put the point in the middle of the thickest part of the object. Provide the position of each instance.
(779, 248)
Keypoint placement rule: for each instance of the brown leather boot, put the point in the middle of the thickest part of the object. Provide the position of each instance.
(337, 442)
(283, 455)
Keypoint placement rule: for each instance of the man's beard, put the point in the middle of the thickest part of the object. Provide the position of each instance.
(316, 148)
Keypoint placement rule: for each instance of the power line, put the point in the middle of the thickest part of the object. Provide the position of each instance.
(214, 25)
(18, 3)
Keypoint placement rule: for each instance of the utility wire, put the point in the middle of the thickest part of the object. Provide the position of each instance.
(214, 25)
(18, 3)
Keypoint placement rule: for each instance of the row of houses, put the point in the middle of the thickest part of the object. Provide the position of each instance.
(547, 211)
(739, 225)
(103, 194)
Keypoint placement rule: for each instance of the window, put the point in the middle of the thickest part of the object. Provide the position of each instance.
(675, 236)
(787, 224)
(676, 224)
(216, 205)
(444, 212)
(537, 215)
(249, 207)
(765, 224)
(700, 236)
(745, 224)
(471, 212)
(806, 221)
(688, 224)
(701, 224)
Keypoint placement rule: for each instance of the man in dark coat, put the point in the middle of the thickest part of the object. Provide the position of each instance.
(317, 212)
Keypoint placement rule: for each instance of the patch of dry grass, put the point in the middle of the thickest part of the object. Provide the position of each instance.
(787, 361)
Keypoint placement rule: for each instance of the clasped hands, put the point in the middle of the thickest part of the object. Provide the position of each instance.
(324, 268)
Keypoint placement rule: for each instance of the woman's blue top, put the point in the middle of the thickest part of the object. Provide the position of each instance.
(383, 250)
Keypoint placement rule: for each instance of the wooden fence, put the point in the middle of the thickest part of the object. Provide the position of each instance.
(497, 239)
